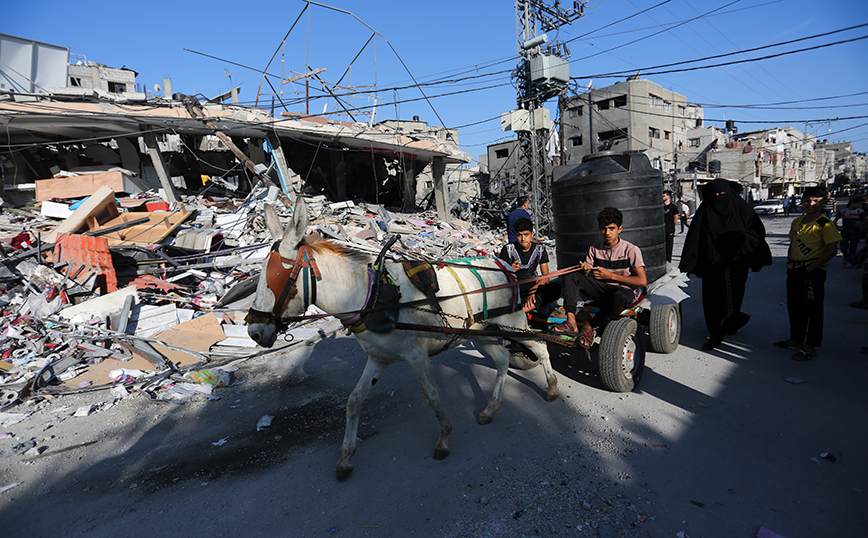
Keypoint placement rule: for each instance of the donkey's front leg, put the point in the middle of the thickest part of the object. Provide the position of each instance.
(373, 372)
(420, 363)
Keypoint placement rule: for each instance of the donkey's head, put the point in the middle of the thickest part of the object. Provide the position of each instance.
(276, 294)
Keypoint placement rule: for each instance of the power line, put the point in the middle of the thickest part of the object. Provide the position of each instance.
(616, 22)
(657, 33)
(716, 29)
(708, 17)
(766, 106)
(754, 49)
(710, 105)
(747, 60)
(728, 72)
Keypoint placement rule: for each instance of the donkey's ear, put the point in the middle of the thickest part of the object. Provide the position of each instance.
(272, 222)
(295, 230)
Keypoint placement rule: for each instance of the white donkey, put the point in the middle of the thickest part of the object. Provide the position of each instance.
(289, 278)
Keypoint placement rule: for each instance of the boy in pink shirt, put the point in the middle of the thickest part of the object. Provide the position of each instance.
(613, 273)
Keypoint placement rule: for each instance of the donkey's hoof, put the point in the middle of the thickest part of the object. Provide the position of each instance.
(484, 419)
(552, 397)
(342, 473)
(440, 453)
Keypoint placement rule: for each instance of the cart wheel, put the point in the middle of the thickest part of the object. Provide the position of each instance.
(521, 357)
(621, 355)
(665, 328)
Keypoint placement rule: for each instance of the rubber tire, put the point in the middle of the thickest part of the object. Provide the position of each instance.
(622, 336)
(521, 357)
(664, 328)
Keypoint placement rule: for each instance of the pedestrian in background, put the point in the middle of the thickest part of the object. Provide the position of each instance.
(852, 219)
(813, 242)
(830, 208)
(520, 212)
(670, 218)
(685, 214)
(725, 239)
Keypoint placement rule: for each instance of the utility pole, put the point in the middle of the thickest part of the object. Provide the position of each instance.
(540, 75)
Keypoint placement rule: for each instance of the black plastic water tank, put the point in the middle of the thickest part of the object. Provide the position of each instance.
(626, 181)
(714, 167)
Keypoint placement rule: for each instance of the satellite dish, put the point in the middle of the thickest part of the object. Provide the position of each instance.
(157, 88)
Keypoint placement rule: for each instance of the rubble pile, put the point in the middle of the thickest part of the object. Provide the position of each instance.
(138, 295)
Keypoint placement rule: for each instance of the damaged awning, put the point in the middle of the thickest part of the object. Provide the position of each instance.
(48, 121)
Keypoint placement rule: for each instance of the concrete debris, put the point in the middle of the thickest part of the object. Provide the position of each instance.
(140, 296)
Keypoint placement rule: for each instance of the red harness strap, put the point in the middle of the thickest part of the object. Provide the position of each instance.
(281, 275)
(510, 276)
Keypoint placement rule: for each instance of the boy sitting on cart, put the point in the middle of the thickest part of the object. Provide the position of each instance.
(525, 255)
(613, 274)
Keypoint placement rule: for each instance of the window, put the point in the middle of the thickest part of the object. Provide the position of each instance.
(667, 106)
(576, 140)
(692, 142)
(667, 165)
(602, 105)
(613, 136)
(576, 112)
(116, 87)
(620, 101)
(653, 133)
(74, 82)
(501, 153)
(656, 163)
(655, 101)
(680, 110)
(667, 135)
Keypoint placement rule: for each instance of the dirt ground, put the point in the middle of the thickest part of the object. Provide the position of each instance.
(714, 444)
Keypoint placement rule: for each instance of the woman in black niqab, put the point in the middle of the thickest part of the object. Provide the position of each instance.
(725, 239)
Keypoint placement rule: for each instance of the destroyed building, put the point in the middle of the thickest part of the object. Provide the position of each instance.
(96, 122)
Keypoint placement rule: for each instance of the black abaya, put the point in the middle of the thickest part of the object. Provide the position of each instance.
(725, 238)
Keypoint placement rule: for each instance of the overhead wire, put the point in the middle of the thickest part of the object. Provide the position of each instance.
(744, 51)
(682, 23)
(726, 37)
(724, 70)
(734, 62)
(717, 14)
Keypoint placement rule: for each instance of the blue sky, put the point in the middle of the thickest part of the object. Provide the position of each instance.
(472, 46)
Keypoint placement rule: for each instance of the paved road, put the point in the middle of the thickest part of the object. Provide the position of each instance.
(711, 444)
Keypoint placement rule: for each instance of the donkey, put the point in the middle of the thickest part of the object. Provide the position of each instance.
(338, 281)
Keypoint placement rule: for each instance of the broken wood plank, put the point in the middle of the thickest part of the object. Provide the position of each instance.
(85, 185)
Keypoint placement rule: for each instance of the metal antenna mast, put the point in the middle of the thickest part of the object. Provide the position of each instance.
(541, 73)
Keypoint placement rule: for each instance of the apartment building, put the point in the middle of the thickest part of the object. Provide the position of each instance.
(633, 115)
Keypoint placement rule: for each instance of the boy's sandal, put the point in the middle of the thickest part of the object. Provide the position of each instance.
(803, 356)
(586, 336)
(565, 329)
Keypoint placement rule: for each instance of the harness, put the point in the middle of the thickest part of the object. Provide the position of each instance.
(382, 293)
(485, 313)
(281, 277)
(382, 305)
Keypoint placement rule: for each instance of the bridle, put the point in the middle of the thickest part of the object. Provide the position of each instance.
(281, 277)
